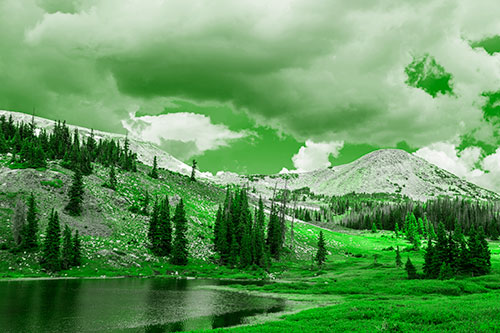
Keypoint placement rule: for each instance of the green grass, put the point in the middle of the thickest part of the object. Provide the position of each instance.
(472, 313)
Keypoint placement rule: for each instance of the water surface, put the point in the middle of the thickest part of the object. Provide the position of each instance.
(124, 305)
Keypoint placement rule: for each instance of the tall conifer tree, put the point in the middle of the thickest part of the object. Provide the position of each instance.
(179, 249)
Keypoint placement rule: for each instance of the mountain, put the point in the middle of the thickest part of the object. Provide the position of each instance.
(391, 171)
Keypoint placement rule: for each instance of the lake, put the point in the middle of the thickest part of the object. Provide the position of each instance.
(125, 305)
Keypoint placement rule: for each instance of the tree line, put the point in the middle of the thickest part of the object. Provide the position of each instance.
(465, 213)
(32, 148)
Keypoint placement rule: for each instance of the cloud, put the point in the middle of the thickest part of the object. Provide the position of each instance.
(468, 164)
(316, 70)
(446, 156)
(183, 134)
(315, 156)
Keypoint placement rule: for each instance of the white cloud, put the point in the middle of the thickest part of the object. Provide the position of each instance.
(314, 155)
(482, 171)
(182, 134)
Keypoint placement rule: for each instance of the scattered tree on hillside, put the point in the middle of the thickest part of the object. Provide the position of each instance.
(193, 170)
(179, 249)
(321, 253)
(31, 226)
(154, 170)
(112, 182)
(51, 245)
(74, 206)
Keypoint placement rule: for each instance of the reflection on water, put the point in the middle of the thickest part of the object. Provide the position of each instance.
(129, 305)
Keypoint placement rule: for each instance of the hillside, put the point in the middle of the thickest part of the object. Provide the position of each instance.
(146, 151)
(390, 171)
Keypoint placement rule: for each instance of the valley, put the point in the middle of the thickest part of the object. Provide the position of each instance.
(358, 287)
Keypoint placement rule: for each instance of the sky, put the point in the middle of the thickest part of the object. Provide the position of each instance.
(263, 87)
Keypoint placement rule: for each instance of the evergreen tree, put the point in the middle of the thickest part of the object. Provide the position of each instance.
(164, 229)
(399, 262)
(274, 235)
(112, 182)
(74, 206)
(51, 246)
(431, 265)
(246, 249)
(396, 230)
(441, 248)
(410, 269)
(233, 252)
(179, 250)
(374, 227)
(479, 253)
(76, 252)
(321, 253)
(67, 249)
(154, 170)
(31, 226)
(258, 239)
(445, 272)
(4, 148)
(153, 228)
(193, 170)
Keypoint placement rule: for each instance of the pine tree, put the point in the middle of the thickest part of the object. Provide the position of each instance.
(480, 263)
(4, 148)
(399, 262)
(431, 265)
(274, 235)
(112, 182)
(246, 249)
(396, 230)
(258, 232)
(193, 170)
(76, 251)
(374, 227)
(321, 253)
(67, 249)
(74, 206)
(164, 229)
(51, 246)
(154, 170)
(410, 269)
(233, 252)
(441, 248)
(179, 250)
(445, 272)
(153, 228)
(31, 227)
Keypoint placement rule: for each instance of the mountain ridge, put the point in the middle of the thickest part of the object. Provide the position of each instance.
(392, 171)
